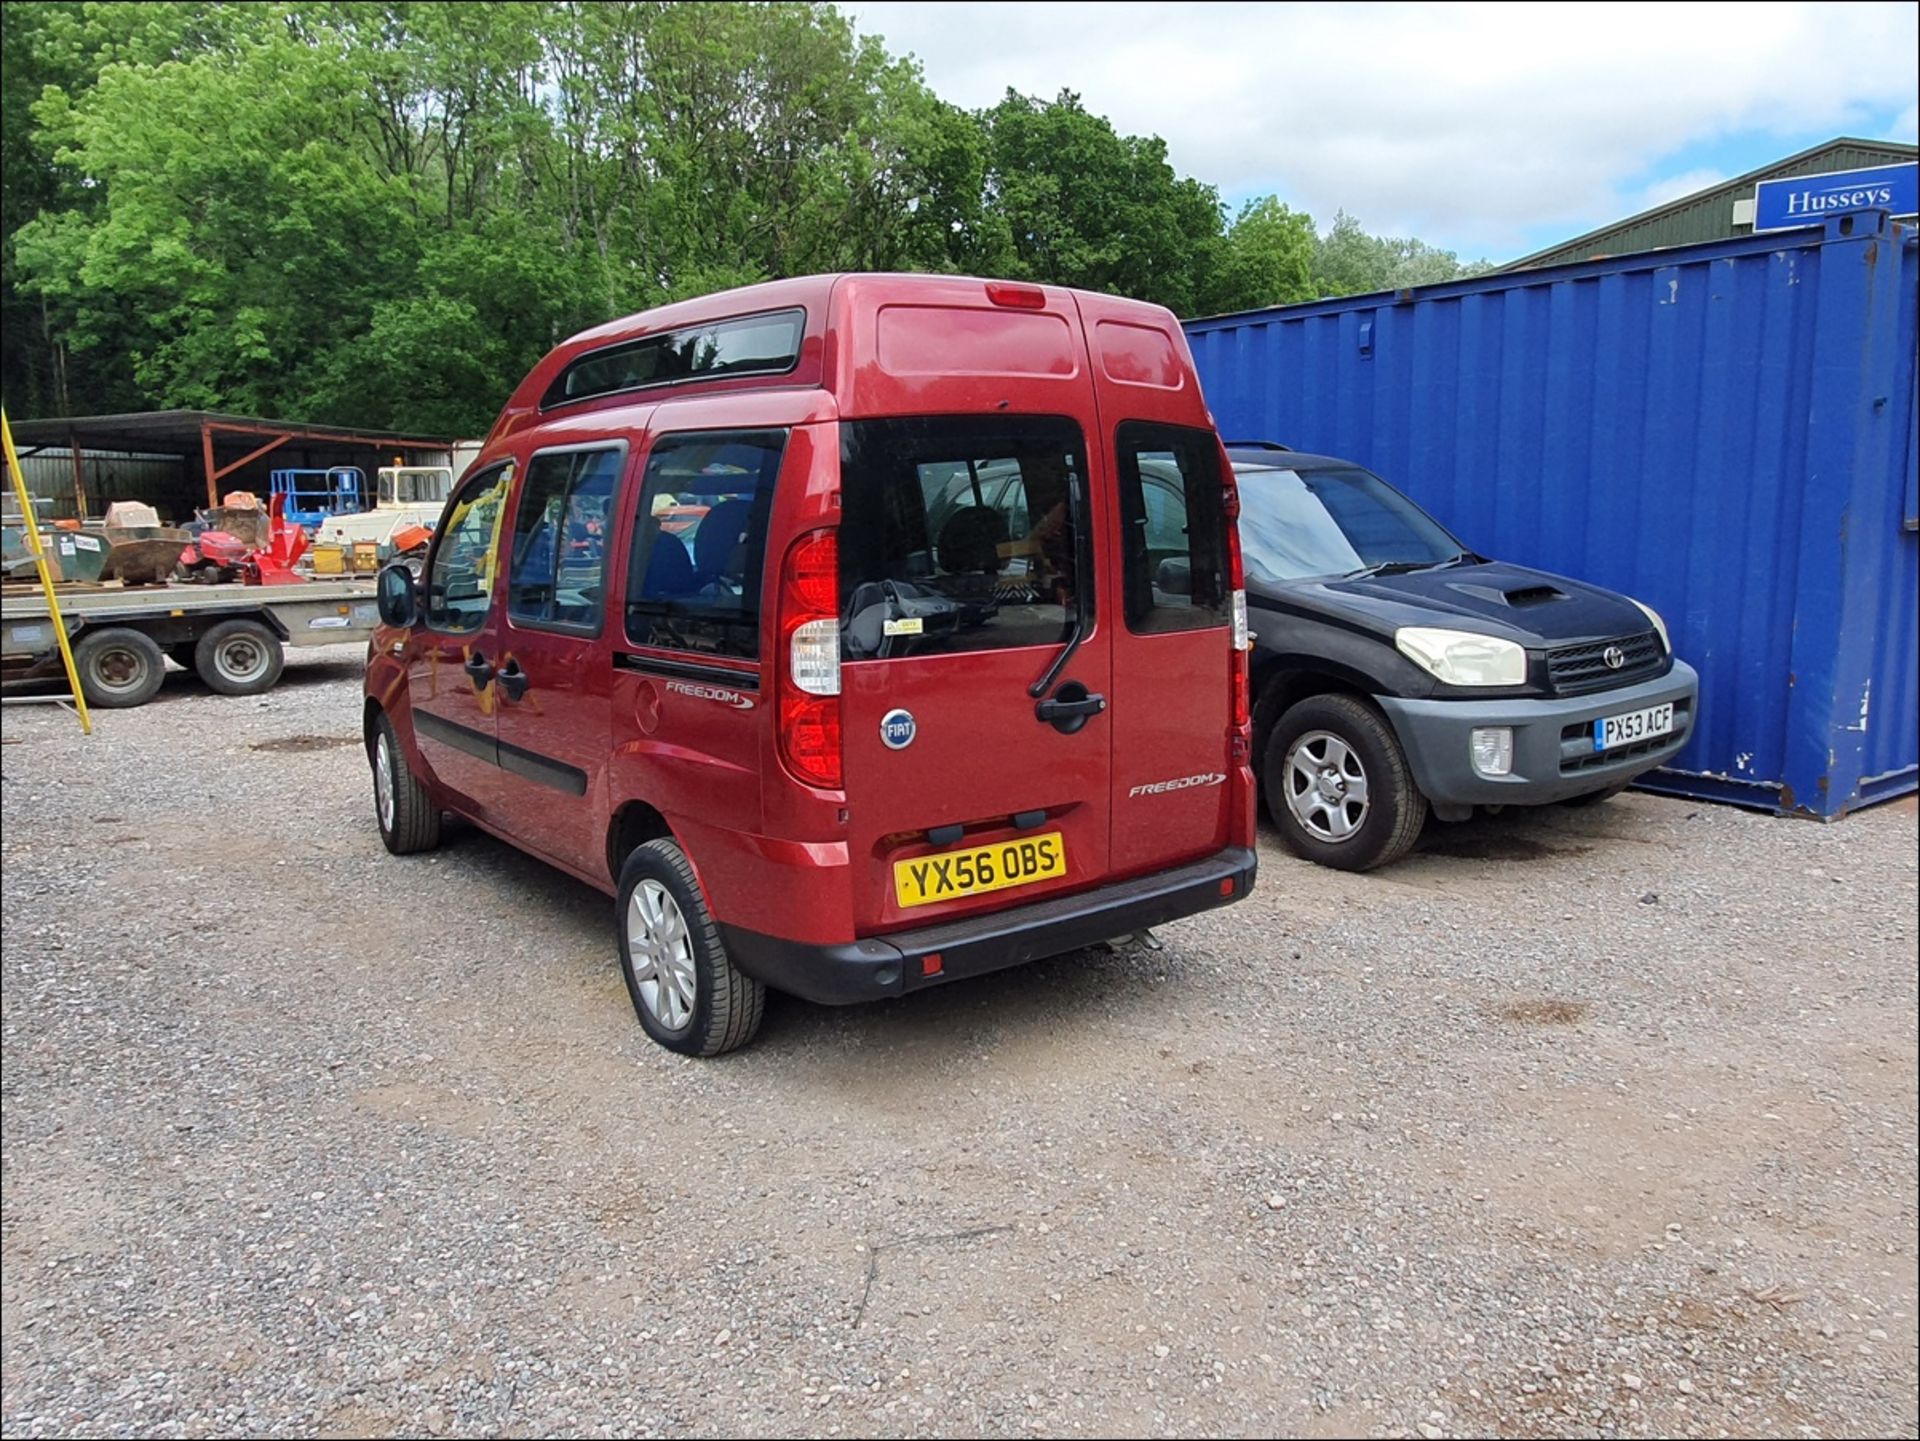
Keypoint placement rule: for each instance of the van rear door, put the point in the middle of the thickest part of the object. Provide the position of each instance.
(1177, 788)
(975, 671)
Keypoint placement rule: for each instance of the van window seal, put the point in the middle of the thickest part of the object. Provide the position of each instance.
(687, 669)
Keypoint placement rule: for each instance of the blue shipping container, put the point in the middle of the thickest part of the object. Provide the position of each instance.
(1725, 431)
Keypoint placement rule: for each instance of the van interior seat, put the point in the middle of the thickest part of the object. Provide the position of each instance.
(670, 572)
(970, 541)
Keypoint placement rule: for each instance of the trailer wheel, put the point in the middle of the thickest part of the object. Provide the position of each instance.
(239, 657)
(119, 668)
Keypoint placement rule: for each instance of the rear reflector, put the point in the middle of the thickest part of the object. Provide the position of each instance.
(930, 965)
(1226, 886)
(1016, 297)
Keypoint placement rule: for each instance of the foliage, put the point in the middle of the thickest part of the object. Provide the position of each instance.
(1348, 261)
(382, 212)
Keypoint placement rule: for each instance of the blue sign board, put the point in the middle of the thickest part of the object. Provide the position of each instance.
(1809, 199)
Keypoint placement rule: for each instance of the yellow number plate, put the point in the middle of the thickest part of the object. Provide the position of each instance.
(949, 875)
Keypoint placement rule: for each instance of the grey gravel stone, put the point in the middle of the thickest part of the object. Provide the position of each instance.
(300, 1138)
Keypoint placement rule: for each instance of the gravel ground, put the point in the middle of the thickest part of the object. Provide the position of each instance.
(1591, 1123)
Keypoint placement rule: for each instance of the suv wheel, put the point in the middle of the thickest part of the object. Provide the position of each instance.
(1338, 785)
(409, 820)
(687, 992)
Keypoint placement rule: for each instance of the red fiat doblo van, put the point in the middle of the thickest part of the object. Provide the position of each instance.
(858, 633)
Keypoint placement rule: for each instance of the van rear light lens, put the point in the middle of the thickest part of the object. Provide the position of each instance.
(809, 709)
(813, 574)
(813, 655)
(810, 736)
(1241, 739)
(1017, 297)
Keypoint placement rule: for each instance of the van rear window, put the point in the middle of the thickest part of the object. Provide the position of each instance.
(751, 345)
(960, 534)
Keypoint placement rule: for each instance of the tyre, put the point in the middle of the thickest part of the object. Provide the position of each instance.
(409, 820)
(688, 994)
(239, 657)
(118, 668)
(1338, 785)
(1594, 798)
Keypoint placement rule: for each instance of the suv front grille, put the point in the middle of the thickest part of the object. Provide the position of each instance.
(1578, 669)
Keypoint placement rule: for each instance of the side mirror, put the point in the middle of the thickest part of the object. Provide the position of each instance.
(1176, 576)
(396, 595)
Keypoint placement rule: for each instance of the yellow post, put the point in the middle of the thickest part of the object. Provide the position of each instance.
(46, 580)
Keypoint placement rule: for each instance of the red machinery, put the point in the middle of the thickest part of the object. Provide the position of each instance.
(217, 555)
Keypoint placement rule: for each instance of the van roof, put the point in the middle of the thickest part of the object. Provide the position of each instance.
(823, 298)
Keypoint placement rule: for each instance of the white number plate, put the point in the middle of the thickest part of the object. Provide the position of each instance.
(1635, 725)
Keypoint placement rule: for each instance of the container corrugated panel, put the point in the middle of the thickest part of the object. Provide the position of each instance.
(1723, 431)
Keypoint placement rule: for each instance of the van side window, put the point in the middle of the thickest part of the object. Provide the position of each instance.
(960, 533)
(700, 541)
(460, 575)
(559, 557)
(1173, 528)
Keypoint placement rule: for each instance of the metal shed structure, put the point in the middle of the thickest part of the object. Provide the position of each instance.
(1727, 431)
(1714, 213)
(170, 457)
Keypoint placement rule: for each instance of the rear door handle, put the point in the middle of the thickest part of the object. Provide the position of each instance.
(478, 671)
(513, 680)
(1070, 707)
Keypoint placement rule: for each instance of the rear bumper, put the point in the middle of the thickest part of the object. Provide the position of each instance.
(1553, 754)
(891, 965)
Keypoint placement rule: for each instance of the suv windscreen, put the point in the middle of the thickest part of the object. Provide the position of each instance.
(960, 533)
(1305, 524)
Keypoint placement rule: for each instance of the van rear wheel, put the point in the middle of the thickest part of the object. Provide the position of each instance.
(1338, 785)
(687, 992)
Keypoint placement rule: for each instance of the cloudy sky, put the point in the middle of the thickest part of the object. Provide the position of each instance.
(1491, 129)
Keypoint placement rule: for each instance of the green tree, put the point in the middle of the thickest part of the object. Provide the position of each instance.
(1084, 205)
(1267, 259)
(1349, 261)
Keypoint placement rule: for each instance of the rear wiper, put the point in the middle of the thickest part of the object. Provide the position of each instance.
(1080, 579)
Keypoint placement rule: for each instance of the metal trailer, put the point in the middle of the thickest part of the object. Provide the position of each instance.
(232, 635)
(1727, 431)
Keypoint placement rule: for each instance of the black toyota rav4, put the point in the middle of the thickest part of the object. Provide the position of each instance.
(1396, 672)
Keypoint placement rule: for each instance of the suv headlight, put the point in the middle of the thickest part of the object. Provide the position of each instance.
(1659, 625)
(1460, 657)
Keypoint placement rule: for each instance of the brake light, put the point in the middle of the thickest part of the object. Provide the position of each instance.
(1242, 637)
(1016, 297)
(809, 709)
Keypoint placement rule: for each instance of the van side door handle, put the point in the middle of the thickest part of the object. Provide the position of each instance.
(513, 680)
(478, 670)
(1070, 707)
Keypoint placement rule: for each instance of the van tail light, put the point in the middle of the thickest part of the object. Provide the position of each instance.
(809, 661)
(1241, 740)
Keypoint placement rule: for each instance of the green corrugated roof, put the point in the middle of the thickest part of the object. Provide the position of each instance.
(1708, 214)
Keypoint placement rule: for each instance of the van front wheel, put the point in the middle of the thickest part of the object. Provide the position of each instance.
(687, 992)
(1338, 785)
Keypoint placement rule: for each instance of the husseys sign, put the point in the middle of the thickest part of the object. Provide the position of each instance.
(1809, 199)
